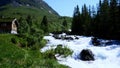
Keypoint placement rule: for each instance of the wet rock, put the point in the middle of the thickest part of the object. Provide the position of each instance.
(112, 42)
(95, 41)
(63, 37)
(87, 55)
(108, 43)
(76, 37)
(56, 36)
(68, 38)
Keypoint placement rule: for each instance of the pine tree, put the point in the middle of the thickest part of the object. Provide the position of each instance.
(114, 11)
(102, 19)
(65, 26)
(76, 22)
(93, 12)
(86, 20)
(29, 20)
(92, 23)
(44, 24)
(104, 22)
(23, 26)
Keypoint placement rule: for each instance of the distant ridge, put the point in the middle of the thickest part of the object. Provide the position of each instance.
(35, 5)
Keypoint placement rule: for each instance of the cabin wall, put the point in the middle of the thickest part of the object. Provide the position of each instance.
(5, 27)
(9, 27)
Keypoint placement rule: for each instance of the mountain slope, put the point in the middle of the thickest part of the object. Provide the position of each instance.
(25, 7)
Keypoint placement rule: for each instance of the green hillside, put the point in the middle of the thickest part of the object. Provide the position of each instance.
(39, 4)
(23, 8)
(22, 11)
(23, 50)
(36, 9)
(13, 56)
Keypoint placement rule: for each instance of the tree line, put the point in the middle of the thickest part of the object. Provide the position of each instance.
(102, 22)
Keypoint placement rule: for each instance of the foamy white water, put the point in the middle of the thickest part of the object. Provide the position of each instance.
(105, 57)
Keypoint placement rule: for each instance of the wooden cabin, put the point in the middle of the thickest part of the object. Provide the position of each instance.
(8, 25)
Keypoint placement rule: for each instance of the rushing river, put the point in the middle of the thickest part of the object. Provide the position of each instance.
(105, 56)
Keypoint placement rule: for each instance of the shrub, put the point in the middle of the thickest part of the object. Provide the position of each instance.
(42, 43)
(65, 51)
(49, 54)
(22, 43)
(13, 40)
(58, 49)
(30, 41)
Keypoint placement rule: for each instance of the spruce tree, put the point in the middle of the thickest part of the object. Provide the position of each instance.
(76, 22)
(86, 20)
(115, 17)
(93, 12)
(104, 19)
(64, 26)
(23, 26)
(44, 24)
(92, 25)
(29, 20)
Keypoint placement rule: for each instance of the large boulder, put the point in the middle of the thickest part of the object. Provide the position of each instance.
(95, 41)
(87, 55)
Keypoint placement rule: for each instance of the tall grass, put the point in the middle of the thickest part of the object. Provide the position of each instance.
(13, 56)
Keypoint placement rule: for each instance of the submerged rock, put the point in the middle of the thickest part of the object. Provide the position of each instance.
(87, 55)
(95, 41)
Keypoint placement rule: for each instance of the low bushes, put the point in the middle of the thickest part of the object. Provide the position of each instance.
(60, 50)
(65, 51)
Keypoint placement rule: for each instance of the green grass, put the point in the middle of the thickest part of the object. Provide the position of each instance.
(13, 56)
(10, 53)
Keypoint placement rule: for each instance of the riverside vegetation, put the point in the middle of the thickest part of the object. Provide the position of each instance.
(23, 50)
(35, 21)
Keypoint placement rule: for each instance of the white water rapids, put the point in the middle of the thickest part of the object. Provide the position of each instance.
(105, 57)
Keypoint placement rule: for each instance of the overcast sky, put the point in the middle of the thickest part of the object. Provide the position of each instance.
(66, 7)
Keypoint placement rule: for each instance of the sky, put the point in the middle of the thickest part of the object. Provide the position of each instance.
(66, 7)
